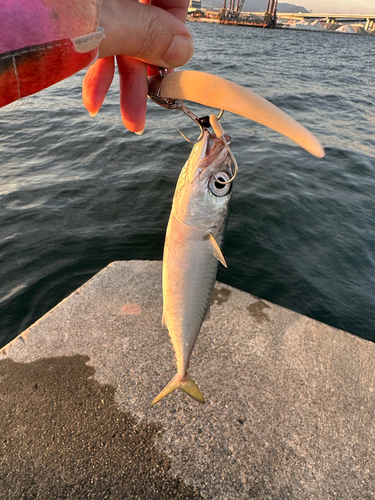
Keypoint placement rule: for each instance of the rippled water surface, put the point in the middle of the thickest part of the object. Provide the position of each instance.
(77, 192)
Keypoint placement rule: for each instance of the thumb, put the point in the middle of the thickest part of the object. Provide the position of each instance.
(146, 32)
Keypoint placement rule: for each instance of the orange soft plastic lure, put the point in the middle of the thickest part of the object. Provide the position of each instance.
(214, 91)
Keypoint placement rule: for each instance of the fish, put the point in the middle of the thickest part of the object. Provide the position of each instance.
(192, 250)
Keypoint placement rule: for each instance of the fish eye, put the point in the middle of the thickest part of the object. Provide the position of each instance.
(216, 186)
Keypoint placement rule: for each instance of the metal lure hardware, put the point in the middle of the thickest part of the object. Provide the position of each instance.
(205, 122)
(154, 85)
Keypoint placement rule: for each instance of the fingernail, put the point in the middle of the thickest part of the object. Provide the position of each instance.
(93, 113)
(180, 51)
(140, 132)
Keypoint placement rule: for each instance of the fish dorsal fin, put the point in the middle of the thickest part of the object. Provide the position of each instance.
(216, 249)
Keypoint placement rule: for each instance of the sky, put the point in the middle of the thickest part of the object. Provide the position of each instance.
(337, 6)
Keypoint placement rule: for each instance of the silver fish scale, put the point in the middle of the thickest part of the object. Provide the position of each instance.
(189, 277)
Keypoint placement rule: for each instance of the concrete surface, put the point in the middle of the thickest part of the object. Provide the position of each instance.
(289, 411)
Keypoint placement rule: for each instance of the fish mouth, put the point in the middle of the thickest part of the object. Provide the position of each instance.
(214, 144)
(214, 154)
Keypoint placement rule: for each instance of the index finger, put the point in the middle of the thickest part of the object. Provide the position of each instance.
(178, 8)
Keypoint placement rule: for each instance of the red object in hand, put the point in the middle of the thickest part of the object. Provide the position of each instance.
(27, 71)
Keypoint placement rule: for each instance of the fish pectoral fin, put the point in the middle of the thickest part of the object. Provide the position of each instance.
(216, 250)
(186, 384)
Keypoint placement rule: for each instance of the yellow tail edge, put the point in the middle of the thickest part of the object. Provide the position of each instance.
(186, 384)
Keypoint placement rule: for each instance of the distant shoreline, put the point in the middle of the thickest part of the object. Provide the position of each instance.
(332, 27)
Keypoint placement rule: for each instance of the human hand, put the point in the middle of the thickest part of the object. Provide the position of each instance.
(142, 37)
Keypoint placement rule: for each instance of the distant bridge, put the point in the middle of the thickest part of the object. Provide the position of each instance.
(369, 19)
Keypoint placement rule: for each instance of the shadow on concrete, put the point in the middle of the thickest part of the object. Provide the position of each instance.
(63, 436)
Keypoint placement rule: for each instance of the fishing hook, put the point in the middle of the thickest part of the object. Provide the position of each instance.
(206, 122)
(220, 114)
(199, 138)
(154, 86)
(203, 123)
(219, 131)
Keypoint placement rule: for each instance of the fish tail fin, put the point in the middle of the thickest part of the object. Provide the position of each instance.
(185, 383)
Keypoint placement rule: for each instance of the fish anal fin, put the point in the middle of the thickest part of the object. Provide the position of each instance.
(185, 383)
(216, 250)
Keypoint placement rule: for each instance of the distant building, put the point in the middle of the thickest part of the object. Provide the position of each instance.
(195, 5)
(213, 14)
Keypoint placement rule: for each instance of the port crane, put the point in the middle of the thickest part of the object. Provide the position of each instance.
(233, 11)
(270, 14)
(230, 14)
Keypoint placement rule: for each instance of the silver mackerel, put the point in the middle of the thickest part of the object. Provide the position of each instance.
(192, 250)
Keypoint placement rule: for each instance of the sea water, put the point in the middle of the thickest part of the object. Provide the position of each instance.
(77, 193)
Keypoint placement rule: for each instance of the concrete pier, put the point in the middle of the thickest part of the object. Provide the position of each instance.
(289, 410)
